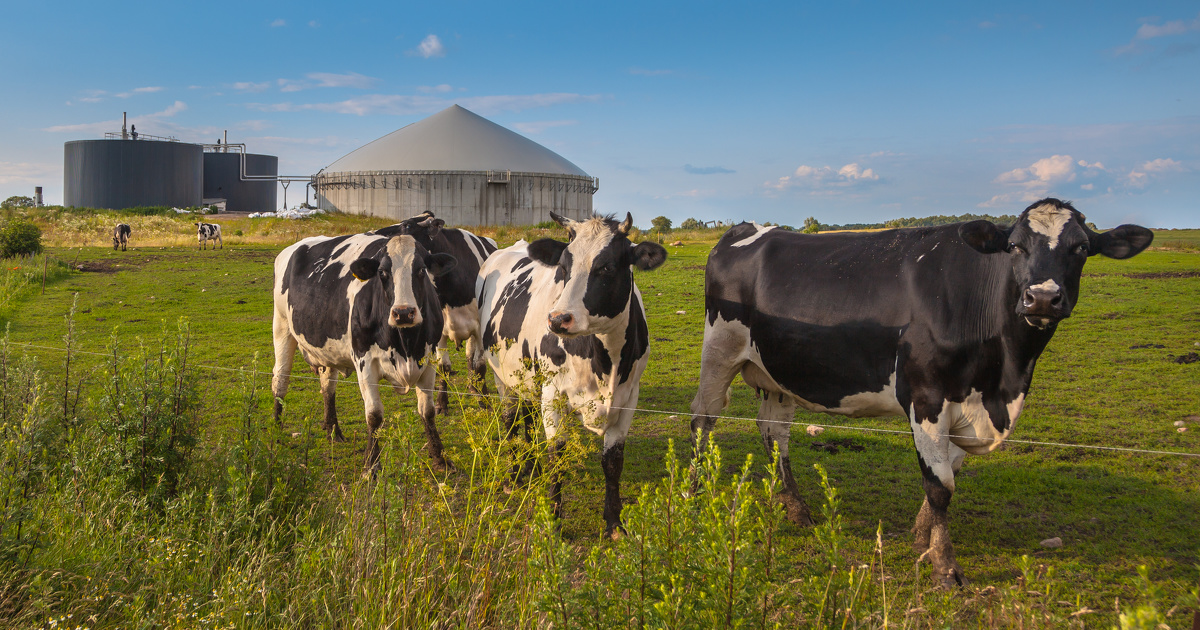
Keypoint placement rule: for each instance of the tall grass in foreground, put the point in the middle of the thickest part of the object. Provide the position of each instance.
(115, 511)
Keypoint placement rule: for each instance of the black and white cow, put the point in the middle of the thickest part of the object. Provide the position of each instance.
(208, 232)
(455, 289)
(573, 310)
(121, 235)
(363, 303)
(943, 325)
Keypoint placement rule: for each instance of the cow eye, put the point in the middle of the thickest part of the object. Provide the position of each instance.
(1013, 247)
(1081, 248)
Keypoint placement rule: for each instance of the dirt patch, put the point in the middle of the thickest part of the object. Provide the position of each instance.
(1147, 345)
(98, 266)
(1163, 275)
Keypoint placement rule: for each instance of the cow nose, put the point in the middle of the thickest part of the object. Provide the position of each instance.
(561, 322)
(404, 314)
(1042, 300)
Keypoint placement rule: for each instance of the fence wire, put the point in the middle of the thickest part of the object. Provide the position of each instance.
(840, 427)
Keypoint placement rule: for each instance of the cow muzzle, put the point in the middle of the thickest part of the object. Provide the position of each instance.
(1042, 306)
(563, 323)
(404, 317)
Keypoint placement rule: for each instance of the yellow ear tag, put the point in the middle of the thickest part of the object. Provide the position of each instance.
(358, 278)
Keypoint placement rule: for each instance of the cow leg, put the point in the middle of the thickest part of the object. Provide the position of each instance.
(720, 360)
(329, 396)
(551, 419)
(443, 387)
(478, 368)
(939, 459)
(368, 385)
(425, 408)
(775, 416)
(285, 353)
(612, 461)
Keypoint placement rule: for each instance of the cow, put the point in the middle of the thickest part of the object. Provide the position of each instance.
(573, 312)
(208, 232)
(366, 304)
(940, 324)
(121, 235)
(456, 290)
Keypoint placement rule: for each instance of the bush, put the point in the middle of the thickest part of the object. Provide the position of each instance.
(20, 238)
(661, 224)
(690, 224)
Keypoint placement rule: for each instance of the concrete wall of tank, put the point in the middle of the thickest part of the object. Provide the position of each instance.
(129, 173)
(223, 180)
(458, 197)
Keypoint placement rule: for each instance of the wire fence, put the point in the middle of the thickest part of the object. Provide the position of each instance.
(841, 427)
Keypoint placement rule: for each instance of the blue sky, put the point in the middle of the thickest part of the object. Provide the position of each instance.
(848, 112)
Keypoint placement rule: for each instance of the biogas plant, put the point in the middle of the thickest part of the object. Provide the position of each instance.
(464, 168)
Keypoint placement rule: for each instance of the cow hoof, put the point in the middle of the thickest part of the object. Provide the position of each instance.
(952, 578)
(439, 409)
(336, 436)
(795, 510)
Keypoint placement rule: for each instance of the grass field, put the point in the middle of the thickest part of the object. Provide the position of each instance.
(1108, 379)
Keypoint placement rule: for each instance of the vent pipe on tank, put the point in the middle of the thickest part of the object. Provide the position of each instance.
(124, 132)
(37, 196)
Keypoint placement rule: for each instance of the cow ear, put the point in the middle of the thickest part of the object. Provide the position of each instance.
(561, 220)
(984, 236)
(648, 255)
(546, 251)
(364, 268)
(440, 264)
(432, 226)
(1121, 242)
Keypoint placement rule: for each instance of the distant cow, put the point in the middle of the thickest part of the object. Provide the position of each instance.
(456, 290)
(121, 236)
(363, 303)
(208, 232)
(573, 312)
(942, 324)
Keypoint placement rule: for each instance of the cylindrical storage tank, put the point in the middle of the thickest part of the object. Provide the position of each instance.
(119, 174)
(223, 180)
(462, 167)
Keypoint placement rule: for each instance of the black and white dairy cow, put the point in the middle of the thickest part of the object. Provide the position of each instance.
(208, 232)
(455, 289)
(943, 325)
(572, 310)
(121, 235)
(366, 304)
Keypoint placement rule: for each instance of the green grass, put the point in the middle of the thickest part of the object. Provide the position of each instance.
(1114, 511)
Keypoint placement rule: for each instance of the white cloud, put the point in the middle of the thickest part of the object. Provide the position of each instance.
(1163, 166)
(1042, 173)
(141, 90)
(248, 86)
(1149, 31)
(1088, 186)
(825, 178)
(1007, 200)
(313, 24)
(350, 79)
(1141, 176)
(694, 193)
(278, 22)
(406, 105)
(115, 125)
(539, 126)
(28, 172)
(431, 46)
(435, 89)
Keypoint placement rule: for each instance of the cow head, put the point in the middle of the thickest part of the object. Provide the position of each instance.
(1048, 246)
(401, 280)
(594, 270)
(424, 228)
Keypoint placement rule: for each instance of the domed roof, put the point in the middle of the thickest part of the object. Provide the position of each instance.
(454, 139)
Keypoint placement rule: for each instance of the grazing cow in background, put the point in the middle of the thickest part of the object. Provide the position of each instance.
(363, 303)
(121, 236)
(572, 310)
(941, 324)
(455, 289)
(208, 232)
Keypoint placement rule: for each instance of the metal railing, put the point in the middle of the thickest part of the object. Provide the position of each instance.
(117, 135)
